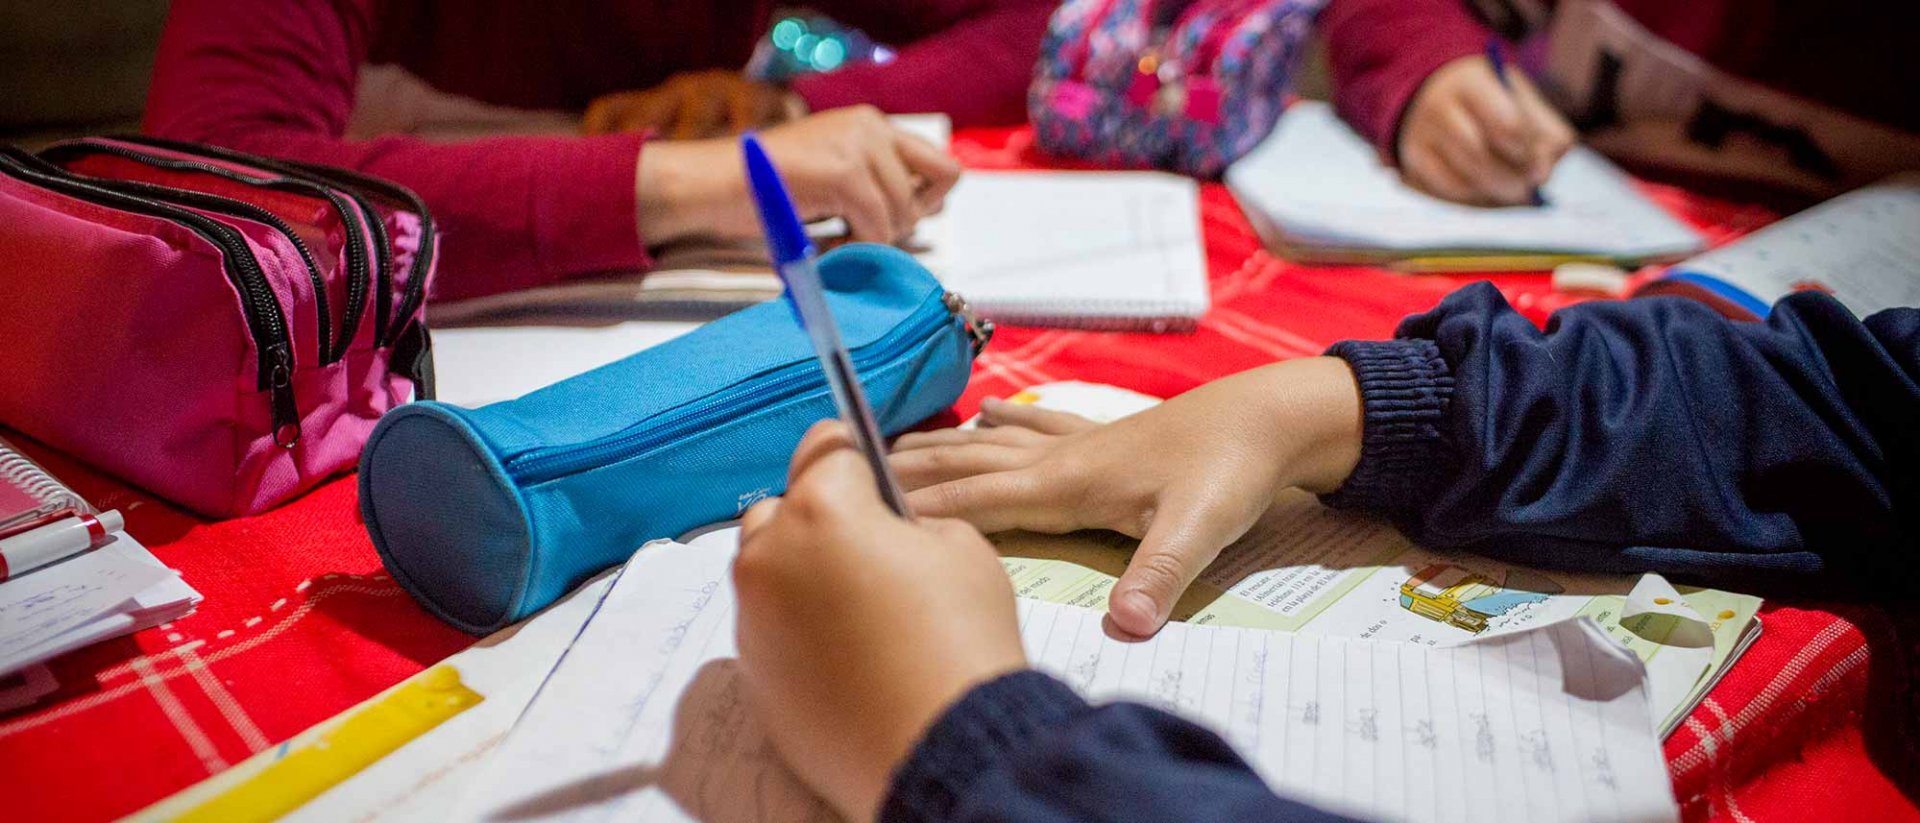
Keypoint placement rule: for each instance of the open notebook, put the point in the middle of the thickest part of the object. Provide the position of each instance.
(1862, 247)
(1119, 250)
(644, 719)
(1318, 192)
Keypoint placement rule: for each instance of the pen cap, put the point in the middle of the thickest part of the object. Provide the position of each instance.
(786, 236)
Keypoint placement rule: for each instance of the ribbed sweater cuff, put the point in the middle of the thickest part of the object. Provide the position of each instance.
(1405, 388)
(988, 725)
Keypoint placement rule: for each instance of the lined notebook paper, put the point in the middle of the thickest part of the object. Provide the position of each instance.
(1319, 190)
(1117, 250)
(1862, 247)
(644, 717)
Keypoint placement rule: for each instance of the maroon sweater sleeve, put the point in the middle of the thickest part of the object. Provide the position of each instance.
(1381, 51)
(969, 58)
(277, 77)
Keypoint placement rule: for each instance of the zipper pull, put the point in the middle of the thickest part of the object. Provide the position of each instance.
(980, 329)
(286, 413)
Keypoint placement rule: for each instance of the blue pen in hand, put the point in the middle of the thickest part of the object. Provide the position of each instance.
(793, 253)
(1497, 55)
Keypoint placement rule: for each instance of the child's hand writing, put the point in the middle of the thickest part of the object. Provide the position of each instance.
(1469, 138)
(1188, 477)
(847, 162)
(858, 628)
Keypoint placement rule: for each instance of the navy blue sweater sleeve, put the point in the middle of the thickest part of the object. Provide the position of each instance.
(1650, 435)
(1025, 749)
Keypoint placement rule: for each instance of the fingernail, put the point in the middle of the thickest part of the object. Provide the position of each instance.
(1143, 613)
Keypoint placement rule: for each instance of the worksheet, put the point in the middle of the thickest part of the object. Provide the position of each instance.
(645, 719)
(1308, 568)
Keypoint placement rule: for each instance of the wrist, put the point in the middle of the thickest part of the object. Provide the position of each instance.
(1319, 413)
(1406, 390)
(687, 188)
(921, 713)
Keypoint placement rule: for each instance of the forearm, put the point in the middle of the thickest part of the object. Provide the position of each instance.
(1024, 747)
(1646, 435)
(1381, 51)
(515, 212)
(277, 77)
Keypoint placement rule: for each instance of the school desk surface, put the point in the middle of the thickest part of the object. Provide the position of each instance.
(300, 622)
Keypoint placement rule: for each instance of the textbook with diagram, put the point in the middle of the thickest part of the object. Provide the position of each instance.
(1307, 568)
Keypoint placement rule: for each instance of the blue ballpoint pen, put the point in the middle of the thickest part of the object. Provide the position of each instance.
(1498, 57)
(793, 253)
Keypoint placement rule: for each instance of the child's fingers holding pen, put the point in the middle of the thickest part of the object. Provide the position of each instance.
(823, 437)
(1553, 137)
(935, 170)
(1497, 112)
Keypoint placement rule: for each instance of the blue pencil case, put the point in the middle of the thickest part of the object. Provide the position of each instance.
(486, 515)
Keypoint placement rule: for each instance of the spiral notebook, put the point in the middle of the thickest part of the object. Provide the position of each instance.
(1101, 250)
(29, 496)
(115, 589)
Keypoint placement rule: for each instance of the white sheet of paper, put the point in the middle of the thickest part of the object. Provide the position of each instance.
(644, 717)
(1320, 184)
(1862, 247)
(114, 590)
(1075, 247)
(41, 607)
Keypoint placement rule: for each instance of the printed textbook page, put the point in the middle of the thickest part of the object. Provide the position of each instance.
(1308, 568)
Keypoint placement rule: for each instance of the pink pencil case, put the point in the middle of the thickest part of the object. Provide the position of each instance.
(221, 329)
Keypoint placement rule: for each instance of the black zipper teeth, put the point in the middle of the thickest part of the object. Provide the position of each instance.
(264, 318)
(349, 180)
(236, 208)
(422, 257)
(356, 245)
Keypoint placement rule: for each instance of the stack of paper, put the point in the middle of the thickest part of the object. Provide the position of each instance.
(644, 718)
(1318, 192)
(117, 589)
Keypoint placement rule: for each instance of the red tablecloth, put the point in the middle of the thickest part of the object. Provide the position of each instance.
(300, 622)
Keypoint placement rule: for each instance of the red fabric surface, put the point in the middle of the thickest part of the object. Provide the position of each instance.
(300, 623)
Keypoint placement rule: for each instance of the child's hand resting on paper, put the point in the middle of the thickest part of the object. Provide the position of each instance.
(857, 628)
(848, 163)
(1468, 138)
(694, 105)
(1188, 476)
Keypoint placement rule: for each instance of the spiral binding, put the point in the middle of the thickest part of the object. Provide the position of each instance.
(53, 496)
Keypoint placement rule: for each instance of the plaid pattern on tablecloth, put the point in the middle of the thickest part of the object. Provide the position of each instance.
(300, 622)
